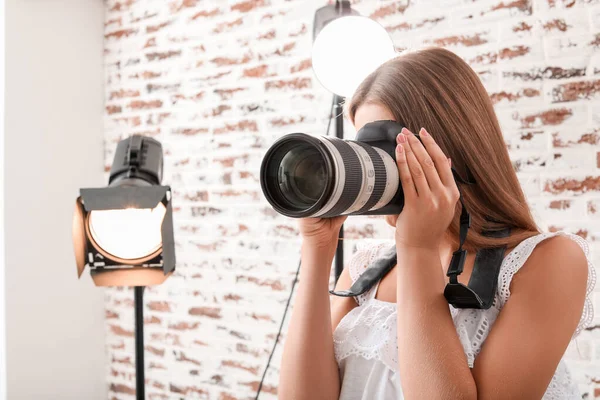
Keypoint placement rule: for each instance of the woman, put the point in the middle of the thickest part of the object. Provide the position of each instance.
(402, 339)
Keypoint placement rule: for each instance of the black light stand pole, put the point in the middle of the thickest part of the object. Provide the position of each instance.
(339, 133)
(139, 343)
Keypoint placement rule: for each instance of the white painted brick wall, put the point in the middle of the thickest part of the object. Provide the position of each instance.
(218, 81)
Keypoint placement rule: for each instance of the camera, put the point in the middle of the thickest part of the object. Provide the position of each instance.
(304, 176)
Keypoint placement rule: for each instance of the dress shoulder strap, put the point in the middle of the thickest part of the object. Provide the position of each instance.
(360, 261)
(517, 257)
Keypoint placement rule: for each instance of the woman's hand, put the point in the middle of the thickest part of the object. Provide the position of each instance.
(430, 192)
(321, 231)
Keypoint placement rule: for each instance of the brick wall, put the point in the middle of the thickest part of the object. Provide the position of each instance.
(217, 81)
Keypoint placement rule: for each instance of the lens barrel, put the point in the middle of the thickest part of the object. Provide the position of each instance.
(322, 176)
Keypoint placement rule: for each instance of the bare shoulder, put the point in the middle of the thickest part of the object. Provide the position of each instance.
(554, 275)
(558, 255)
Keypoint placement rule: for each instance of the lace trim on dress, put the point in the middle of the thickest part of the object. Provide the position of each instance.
(360, 261)
(515, 260)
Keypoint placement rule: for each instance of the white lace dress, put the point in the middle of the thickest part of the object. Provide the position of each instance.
(365, 340)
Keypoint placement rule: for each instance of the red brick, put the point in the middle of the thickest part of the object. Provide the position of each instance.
(156, 28)
(121, 388)
(162, 88)
(184, 326)
(556, 24)
(219, 110)
(301, 66)
(226, 26)
(513, 97)
(122, 5)
(240, 126)
(550, 117)
(464, 40)
(117, 330)
(261, 71)
(295, 83)
(578, 186)
(223, 61)
(485, 58)
(397, 7)
(249, 5)
(207, 13)
(145, 105)
(286, 121)
(572, 91)
(238, 365)
(183, 358)
(227, 94)
(201, 195)
(157, 56)
(145, 75)
(155, 351)
(560, 204)
(284, 50)
(267, 35)
(190, 131)
(150, 43)
(146, 16)
(161, 306)
(113, 109)
(177, 6)
(121, 93)
(120, 34)
(210, 312)
(113, 21)
(195, 98)
(188, 390)
(550, 72)
(513, 52)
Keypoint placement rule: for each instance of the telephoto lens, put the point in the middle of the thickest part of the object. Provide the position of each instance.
(322, 176)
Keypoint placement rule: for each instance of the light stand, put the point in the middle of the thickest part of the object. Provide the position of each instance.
(124, 232)
(138, 294)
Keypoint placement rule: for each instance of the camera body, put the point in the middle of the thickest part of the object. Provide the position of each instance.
(382, 134)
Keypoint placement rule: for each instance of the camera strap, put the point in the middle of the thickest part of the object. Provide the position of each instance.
(480, 291)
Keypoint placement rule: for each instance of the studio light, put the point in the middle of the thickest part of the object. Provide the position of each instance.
(124, 232)
(347, 47)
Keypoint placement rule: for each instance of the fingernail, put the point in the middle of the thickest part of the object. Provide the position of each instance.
(399, 148)
(398, 137)
(423, 132)
(405, 131)
(401, 139)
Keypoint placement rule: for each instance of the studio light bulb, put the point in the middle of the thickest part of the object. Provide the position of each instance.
(129, 234)
(347, 50)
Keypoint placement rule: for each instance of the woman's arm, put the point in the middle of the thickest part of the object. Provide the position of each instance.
(308, 368)
(533, 329)
(535, 326)
(431, 359)
(524, 347)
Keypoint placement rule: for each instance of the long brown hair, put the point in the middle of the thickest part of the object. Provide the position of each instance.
(436, 89)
